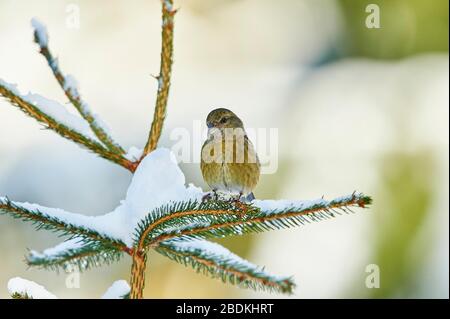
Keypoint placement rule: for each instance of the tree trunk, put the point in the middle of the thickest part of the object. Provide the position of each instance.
(138, 275)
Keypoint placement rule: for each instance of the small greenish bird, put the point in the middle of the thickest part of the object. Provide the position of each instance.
(229, 162)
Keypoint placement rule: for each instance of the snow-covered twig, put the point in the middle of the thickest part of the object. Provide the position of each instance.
(55, 117)
(70, 88)
(74, 252)
(57, 220)
(218, 262)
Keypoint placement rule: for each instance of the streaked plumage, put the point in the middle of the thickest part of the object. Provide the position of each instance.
(229, 162)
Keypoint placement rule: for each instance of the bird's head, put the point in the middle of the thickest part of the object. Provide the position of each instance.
(223, 118)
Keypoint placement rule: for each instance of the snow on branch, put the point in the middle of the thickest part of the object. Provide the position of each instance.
(55, 117)
(70, 88)
(74, 252)
(218, 262)
(118, 290)
(45, 110)
(223, 218)
(20, 288)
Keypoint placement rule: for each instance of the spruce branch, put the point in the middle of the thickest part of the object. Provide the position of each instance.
(164, 76)
(220, 219)
(82, 258)
(33, 110)
(71, 90)
(181, 217)
(218, 262)
(44, 221)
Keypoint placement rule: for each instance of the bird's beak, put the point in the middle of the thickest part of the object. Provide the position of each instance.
(209, 125)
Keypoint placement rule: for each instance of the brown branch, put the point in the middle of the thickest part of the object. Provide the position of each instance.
(163, 78)
(74, 97)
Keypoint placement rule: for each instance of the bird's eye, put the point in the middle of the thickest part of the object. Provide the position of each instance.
(223, 120)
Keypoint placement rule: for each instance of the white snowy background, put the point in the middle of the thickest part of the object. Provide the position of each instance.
(339, 122)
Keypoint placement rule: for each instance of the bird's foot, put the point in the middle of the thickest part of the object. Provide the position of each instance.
(210, 196)
(207, 197)
(240, 205)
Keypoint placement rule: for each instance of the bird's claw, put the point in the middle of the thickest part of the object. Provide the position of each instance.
(210, 196)
(207, 197)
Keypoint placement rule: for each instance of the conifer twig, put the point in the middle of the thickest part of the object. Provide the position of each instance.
(48, 222)
(221, 222)
(71, 90)
(33, 111)
(218, 262)
(84, 257)
(164, 76)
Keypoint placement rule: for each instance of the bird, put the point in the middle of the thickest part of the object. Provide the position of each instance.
(229, 162)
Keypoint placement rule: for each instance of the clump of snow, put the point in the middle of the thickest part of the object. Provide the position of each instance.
(134, 153)
(29, 288)
(54, 64)
(157, 181)
(117, 290)
(40, 31)
(71, 84)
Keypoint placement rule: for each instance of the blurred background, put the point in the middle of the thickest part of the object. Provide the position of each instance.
(356, 108)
